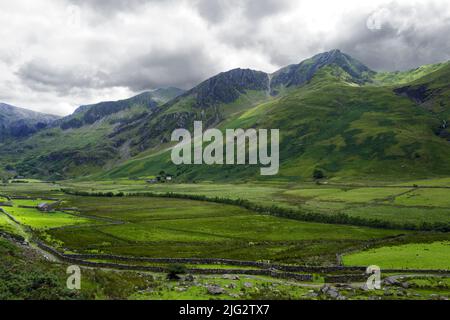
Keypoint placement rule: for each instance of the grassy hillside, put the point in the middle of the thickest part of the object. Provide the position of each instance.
(334, 114)
(410, 256)
(334, 125)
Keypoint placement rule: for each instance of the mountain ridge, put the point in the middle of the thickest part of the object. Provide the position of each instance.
(329, 106)
(88, 114)
(16, 122)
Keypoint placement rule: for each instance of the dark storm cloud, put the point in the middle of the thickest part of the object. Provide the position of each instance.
(398, 35)
(403, 37)
(215, 11)
(160, 68)
(257, 9)
(105, 7)
(57, 54)
(44, 76)
(154, 69)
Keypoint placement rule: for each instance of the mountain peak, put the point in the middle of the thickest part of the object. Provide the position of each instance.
(299, 74)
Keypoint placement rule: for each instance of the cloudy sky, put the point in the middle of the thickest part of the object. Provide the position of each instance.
(58, 54)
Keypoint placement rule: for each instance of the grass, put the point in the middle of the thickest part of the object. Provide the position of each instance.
(426, 197)
(240, 228)
(165, 227)
(141, 209)
(262, 193)
(399, 214)
(162, 227)
(246, 287)
(9, 226)
(36, 189)
(411, 256)
(348, 195)
(386, 203)
(395, 78)
(44, 220)
(362, 195)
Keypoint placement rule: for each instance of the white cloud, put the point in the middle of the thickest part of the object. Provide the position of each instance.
(56, 55)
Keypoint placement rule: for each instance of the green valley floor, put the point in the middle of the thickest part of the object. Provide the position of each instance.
(231, 241)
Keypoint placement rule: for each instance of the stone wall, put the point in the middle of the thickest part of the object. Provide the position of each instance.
(79, 260)
(257, 264)
(286, 268)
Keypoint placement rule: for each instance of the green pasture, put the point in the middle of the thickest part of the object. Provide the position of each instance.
(397, 214)
(9, 226)
(31, 189)
(44, 220)
(393, 204)
(163, 227)
(425, 197)
(144, 209)
(167, 227)
(410, 256)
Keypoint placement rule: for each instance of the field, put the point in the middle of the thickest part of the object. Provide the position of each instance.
(411, 256)
(42, 220)
(8, 226)
(420, 202)
(161, 226)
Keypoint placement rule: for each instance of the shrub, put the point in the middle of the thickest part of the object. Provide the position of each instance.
(318, 174)
(174, 270)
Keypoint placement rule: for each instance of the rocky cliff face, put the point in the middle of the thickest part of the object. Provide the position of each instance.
(226, 87)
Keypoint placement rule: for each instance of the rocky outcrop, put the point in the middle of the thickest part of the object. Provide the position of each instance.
(215, 289)
(418, 94)
(226, 87)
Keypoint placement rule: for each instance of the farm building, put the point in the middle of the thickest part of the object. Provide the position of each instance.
(47, 207)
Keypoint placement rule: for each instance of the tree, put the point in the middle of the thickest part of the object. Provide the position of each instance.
(174, 270)
(318, 174)
(4, 179)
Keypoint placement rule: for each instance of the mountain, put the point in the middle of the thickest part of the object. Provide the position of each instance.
(16, 123)
(78, 144)
(432, 92)
(334, 114)
(343, 119)
(212, 101)
(299, 74)
(89, 114)
(226, 87)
